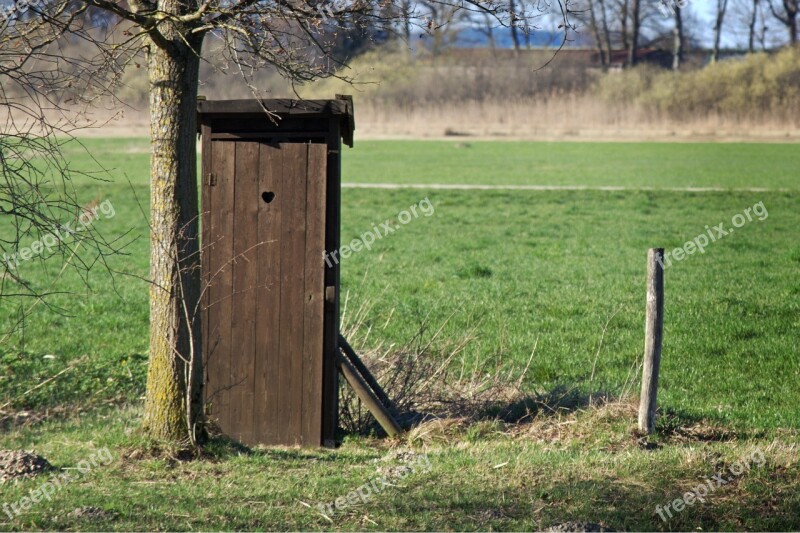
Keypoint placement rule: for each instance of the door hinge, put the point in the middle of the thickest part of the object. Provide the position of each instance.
(212, 179)
(330, 295)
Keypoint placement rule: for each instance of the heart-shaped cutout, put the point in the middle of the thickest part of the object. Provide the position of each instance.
(267, 196)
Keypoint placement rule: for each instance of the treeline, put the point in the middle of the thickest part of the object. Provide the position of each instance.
(629, 25)
(753, 87)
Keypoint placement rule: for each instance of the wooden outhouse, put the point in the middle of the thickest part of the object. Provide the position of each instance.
(270, 308)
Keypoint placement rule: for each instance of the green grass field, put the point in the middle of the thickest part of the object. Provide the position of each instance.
(660, 165)
(562, 270)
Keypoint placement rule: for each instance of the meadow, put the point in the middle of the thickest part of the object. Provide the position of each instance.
(547, 286)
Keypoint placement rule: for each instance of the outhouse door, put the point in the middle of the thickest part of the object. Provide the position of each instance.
(263, 239)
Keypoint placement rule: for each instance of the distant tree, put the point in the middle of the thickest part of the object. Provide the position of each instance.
(599, 24)
(626, 25)
(621, 24)
(747, 22)
(406, 15)
(786, 13)
(625, 36)
(514, 19)
(633, 47)
(678, 38)
(761, 32)
(719, 18)
(606, 35)
(752, 19)
(441, 21)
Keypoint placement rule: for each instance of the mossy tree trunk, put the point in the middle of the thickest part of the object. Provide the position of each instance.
(173, 405)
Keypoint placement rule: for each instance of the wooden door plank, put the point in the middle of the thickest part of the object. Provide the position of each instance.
(245, 271)
(205, 218)
(314, 299)
(268, 385)
(292, 284)
(282, 379)
(219, 248)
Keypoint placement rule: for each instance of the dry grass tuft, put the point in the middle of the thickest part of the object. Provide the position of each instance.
(608, 424)
(426, 379)
(442, 431)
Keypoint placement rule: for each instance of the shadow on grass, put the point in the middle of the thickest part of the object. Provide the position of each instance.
(562, 405)
(220, 447)
(521, 408)
(560, 400)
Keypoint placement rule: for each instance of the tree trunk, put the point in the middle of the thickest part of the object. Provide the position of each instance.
(762, 31)
(635, 24)
(788, 17)
(173, 405)
(751, 39)
(606, 31)
(677, 52)
(406, 7)
(596, 31)
(721, 7)
(514, 22)
(624, 29)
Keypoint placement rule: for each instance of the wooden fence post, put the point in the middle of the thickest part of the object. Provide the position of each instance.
(653, 332)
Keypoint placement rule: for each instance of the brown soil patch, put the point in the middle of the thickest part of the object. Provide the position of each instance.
(15, 464)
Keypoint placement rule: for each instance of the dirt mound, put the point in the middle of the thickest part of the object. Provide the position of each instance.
(19, 464)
